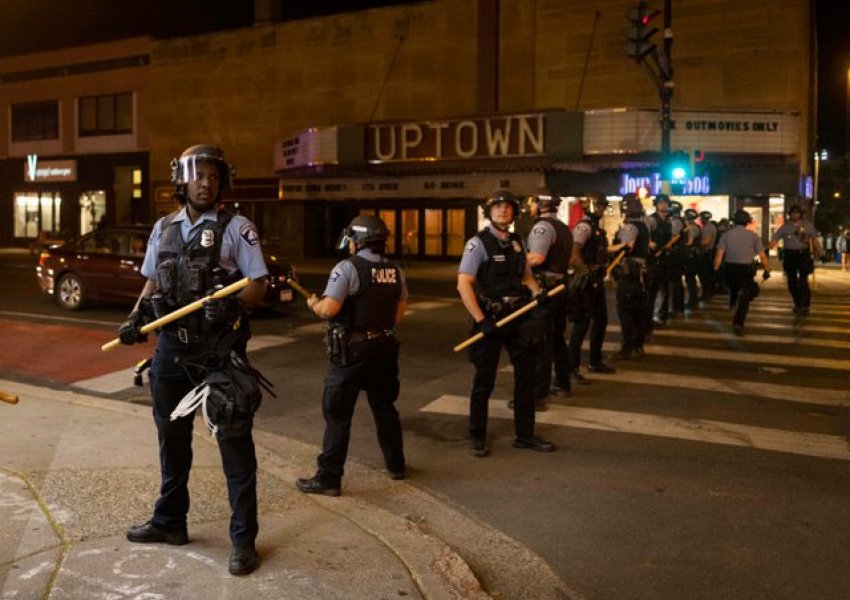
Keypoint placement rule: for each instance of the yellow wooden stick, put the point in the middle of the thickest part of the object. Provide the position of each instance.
(183, 311)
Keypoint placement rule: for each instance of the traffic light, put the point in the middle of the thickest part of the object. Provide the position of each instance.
(677, 167)
(639, 34)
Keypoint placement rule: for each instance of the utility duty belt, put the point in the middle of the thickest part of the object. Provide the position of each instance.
(362, 336)
(500, 306)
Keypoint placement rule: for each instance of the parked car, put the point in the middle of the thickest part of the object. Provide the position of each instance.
(105, 265)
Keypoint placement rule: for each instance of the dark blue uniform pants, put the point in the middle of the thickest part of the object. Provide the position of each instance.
(742, 289)
(373, 367)
(631, 310)
(798, 264)
(169, 383)
(523, 340)
(554, 350)
(595, 313)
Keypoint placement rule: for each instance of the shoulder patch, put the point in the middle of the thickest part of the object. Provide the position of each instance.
(335, 275)
(471, 246)
(249, 234)
(538, 231)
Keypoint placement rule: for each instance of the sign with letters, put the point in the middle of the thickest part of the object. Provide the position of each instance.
(49, 170)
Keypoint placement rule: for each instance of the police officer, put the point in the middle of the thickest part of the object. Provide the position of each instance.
(491, 276)
(801, 248)
(692, 254)
(677, 259)
(189, 252)
(707, 243)
(550, 244)
(736, 249)
(630, 275)
(590, 252)
(720, 275)
(660, 234)
(364, 300)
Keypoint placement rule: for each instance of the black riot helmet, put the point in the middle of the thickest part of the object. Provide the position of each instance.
(742, 217)
(691, 214)
(184, 169)
(631, 205)
(592, 202)
(364, 230)
(705, 216)
(546, 200)
(675, 208)
(661, 198)
(500, 197)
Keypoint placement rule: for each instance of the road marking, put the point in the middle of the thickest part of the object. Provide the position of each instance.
(117, 381)
(697, 430)
(772, 391)
(779, 340)
(12, 313)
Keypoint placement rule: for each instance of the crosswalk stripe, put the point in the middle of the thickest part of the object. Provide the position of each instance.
(772, 391)
(726, 335)
(112, 383)
(698, 430)
(415, 307)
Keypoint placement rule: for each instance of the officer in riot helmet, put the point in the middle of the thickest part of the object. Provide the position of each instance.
(692, 256)
(588, 307)
(660, 238)
(800, 250)
(191, 252)
(364, 301)
(707, 244)
(633, 240)
(736, 249)
(677, 255)
(494, 280)
(550, 244)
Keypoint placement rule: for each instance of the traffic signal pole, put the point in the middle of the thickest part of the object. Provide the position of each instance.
(666, 71)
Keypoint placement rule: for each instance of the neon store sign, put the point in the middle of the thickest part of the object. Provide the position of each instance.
(690, 185)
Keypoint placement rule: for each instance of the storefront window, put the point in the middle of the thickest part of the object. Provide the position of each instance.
(455, 221)
(35, 213)
(433, 231)
(388, 217)
(92, 210)
(410, 231)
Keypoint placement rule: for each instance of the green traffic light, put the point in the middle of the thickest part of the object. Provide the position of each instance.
(679, 173)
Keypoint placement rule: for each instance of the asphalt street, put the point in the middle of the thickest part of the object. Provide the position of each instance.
(716, 466)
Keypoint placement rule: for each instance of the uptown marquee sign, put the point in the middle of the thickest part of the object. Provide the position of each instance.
(49, 170)
(521, 135)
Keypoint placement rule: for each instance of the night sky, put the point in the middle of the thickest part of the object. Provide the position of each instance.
(33, 25)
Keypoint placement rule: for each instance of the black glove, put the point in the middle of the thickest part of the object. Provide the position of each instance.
(129, 331)
(222, 310)
(765, 276)
(543, 299)
(486, 326)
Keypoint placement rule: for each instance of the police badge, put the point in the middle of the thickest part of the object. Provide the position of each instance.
(207, 238)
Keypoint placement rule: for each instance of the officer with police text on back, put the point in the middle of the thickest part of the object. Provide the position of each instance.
(588, 302)
(492, 280)
(191, 252)
(550, 244)
(707, 243)
(800, 249)
(736, 249)
(660, 236)
(364, 300)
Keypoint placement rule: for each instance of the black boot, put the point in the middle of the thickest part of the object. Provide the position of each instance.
(244, 560)
(149, 533)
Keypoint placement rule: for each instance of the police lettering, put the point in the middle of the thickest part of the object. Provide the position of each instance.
(383, 276)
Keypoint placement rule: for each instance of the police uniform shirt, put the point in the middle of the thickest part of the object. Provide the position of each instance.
(344, 280)
(693, 234)
(541, 238)
(628, 233)
(708, 235)
(583, 231)
(795, 236)
(740, 246)
(474, 254)
(676, 226)
(240, 244)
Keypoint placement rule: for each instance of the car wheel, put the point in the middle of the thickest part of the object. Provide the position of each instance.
(71, 292)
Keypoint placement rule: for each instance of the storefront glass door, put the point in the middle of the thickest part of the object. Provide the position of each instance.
(92, 209)
(36, 212)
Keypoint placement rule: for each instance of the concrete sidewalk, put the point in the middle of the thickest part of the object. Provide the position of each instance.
(76, 471)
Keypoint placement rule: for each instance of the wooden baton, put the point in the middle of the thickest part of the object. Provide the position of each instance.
(615, 262)
(504, 321)
(8, 398)
(184, 310)
(298, 287)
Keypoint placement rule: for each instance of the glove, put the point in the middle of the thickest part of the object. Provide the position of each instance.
(765, 276)
(543, 299)
(129, 331)
(221, 310)
(487, 326)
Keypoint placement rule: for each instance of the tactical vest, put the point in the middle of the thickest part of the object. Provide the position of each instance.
(663, 231)
(683, 234)
(187, 271)
(641, 247)
(373, 307)
(502, 274)
(558, 257)
(594, 251)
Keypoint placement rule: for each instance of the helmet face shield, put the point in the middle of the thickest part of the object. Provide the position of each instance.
(188, 168)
